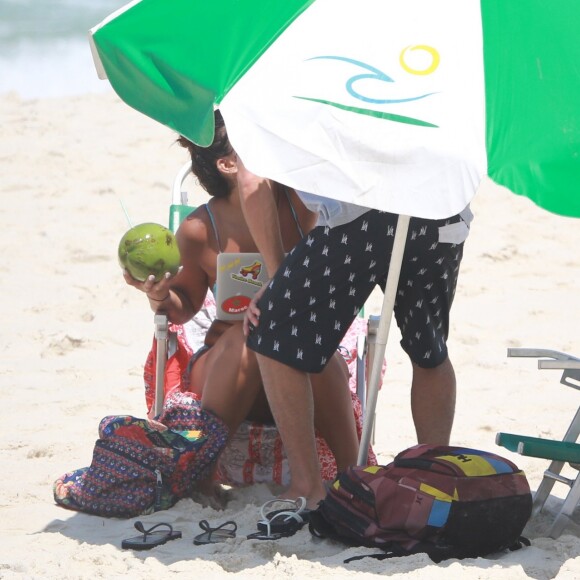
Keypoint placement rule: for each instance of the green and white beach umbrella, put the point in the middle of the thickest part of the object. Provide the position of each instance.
(399, 105)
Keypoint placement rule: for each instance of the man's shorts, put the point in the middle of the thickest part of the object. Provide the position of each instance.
(327, 278)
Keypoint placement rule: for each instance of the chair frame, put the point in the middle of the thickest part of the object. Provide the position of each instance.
(366, 353)
(177, 211)
(560, 452)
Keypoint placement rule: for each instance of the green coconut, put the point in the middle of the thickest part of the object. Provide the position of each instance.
(149, 249)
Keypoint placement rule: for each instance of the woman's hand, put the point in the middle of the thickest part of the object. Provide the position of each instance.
(156, 291)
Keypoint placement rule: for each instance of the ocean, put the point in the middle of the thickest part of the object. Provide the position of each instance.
(44, 49)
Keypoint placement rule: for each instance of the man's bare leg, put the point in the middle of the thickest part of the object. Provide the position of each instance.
(289, 394)
(333, 412)
(433, 402)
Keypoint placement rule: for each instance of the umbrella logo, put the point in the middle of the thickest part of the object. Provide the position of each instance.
(431, 68)
(375, 74)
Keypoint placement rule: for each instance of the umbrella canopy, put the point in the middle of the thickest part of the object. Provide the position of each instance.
(401, 106)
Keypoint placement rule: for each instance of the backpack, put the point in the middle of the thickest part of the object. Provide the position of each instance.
(447, 502)
(139, 467)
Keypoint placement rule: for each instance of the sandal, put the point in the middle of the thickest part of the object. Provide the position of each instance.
(150, 538)
(281, 523)
(215, 535)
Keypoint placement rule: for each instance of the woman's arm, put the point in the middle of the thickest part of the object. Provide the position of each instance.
(182, 295)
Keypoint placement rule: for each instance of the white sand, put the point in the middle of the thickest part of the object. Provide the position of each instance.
(74, 338)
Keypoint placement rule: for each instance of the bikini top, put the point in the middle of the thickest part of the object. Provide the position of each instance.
(215, 230)
(217, 237)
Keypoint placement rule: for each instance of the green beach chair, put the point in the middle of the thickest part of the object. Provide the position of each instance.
(565, 451)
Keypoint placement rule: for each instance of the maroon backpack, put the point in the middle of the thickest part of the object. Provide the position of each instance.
(448, 502)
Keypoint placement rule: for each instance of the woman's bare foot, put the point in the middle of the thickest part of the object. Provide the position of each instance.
(208, 493)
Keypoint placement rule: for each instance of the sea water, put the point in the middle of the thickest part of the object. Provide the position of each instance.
(44, 48)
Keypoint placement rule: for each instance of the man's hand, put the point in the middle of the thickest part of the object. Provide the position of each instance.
(252, 315)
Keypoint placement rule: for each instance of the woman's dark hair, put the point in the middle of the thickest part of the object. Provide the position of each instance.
(203, 159)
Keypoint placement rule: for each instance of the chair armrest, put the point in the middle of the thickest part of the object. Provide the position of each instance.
(560, 361)
(559, 364)
(161, 323)
(567, 451)
(541, 352)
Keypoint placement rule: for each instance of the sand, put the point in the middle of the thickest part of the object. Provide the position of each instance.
(74, 339)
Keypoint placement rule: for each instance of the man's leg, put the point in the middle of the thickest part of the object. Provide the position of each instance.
(304, 313)
(425, 294)
(433, 402)
(290, 397)
(333, 412)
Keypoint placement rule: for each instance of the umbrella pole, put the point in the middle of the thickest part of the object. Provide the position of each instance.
(161, 332)
(382, 334)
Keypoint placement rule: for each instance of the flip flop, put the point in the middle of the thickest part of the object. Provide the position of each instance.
(150, 538)
(210, 535)
(281, 523)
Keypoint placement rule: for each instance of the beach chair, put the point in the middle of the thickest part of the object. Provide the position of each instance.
(560, 452)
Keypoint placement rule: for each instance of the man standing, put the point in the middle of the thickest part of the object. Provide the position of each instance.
(299, 319)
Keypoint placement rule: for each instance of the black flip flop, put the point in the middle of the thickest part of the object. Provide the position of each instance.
(210, 535)
(150, 538)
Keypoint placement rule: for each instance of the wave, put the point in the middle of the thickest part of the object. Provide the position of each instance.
(59, 68)
(44, 49)
(41, 20)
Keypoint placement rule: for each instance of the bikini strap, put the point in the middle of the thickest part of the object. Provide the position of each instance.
(214, 226)
(293, 210)
(215, 230)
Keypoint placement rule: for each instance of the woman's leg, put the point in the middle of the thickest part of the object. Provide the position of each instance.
(232, 389)
(333, 412)
(228, 379)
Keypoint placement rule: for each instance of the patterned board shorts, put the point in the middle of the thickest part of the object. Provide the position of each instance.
(326, 279)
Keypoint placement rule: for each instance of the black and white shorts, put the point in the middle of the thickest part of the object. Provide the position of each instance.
(327, 278)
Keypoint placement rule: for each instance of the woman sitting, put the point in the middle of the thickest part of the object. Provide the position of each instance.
(224, 372)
